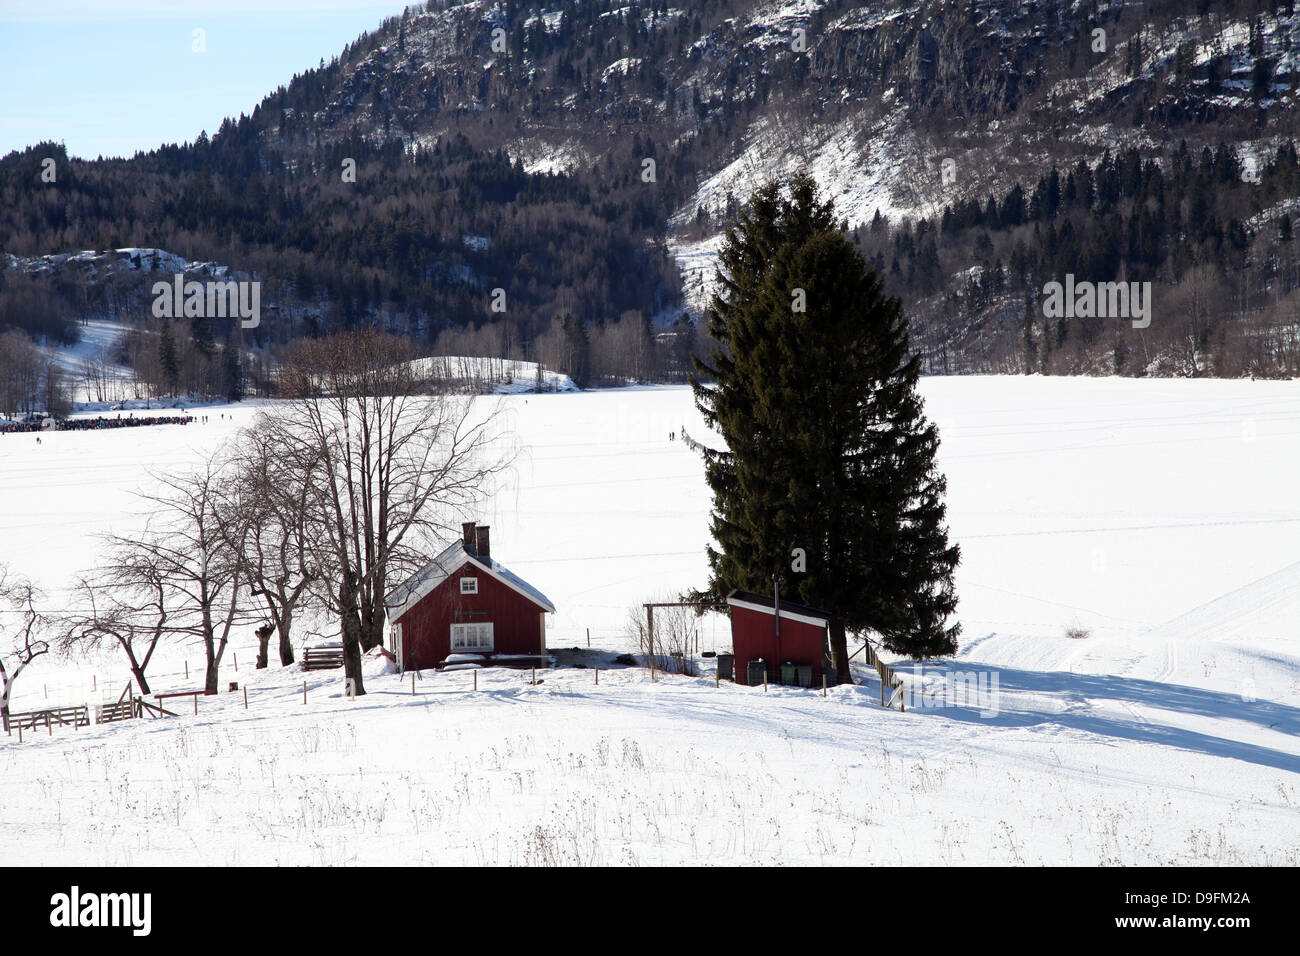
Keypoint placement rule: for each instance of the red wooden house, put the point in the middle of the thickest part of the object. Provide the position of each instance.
(465, 603)
(796, 636)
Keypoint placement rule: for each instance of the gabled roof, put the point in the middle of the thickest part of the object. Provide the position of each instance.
(789, 610)
(423, 582)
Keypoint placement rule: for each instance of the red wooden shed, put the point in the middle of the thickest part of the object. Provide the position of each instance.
(465, 603)
(797, 636)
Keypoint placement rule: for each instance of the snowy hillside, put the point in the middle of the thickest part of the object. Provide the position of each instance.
(1157, 517)
(502, 376)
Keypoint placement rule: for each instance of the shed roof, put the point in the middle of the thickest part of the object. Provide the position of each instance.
(420, 584)
(766, 605)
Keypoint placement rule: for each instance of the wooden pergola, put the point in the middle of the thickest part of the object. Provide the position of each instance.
(650, 619)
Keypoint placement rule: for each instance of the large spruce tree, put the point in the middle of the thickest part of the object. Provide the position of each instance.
(827, 447)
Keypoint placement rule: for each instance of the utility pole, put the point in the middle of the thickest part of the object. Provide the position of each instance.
(776, 601)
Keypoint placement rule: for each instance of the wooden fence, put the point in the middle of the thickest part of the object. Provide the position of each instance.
(891, 685)
(126, 707)
(133, 708)
(322, 658)
(122, 710)
(51, 717)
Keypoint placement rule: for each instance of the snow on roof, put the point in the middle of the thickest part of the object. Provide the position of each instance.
(423, 582)
(766, 605)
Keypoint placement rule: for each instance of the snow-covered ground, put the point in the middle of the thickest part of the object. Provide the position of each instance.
(87, 366)
(1159, 517)
(502, 376)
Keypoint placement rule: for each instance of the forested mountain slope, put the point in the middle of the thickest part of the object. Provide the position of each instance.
(584, 156)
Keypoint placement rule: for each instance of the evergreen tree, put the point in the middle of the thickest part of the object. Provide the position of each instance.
(168, 362)
(233, 372)
(827, 448)
(1028, 346)
(577, 346)
(204, 342)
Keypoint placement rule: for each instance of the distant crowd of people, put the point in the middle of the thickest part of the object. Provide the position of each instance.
(89, 424)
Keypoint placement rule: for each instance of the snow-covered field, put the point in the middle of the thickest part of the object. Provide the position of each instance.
(1161, 517)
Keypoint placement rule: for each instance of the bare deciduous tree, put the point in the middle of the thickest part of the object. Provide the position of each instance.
(398, 462)
(279, 565)
(22, 628)
(126, 605)
(195, 542)
(20, 373)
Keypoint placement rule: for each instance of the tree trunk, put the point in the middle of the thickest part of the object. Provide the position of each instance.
(210, 677)
(840, 652)
(4, 713)
(372, 629)
(350, 621)
(286, 646)
(263, 640)
(139, 679)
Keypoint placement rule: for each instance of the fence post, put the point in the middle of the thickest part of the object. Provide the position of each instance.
(196, 705)
(650, 637)
(764, 677)
(187, 670)
(245, 697)
(412, 684)
(304, 692)
(534, 672)
(589, 637)
(236, 657)
(476, 680)
(823, 683)
(597, 673)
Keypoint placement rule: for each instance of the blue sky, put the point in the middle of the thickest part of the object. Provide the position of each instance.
(109, 77)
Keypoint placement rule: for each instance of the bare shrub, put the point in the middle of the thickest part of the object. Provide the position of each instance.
(672, 646)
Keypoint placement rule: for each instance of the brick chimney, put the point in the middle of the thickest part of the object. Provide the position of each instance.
(481, 545)
(467, 535)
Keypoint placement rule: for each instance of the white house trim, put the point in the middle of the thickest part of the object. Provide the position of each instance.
(787, 615)
(462, 627)
(456, 562)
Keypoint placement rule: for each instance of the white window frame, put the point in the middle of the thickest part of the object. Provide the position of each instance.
(469, 585)
(459, 633)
